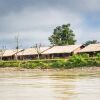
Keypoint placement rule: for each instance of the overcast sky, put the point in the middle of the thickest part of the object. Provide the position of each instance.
(34, 20)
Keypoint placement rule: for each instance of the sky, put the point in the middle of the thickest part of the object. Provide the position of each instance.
(33, 21)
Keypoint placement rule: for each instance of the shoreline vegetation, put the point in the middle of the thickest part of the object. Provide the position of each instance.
(80, 64)
(75, 61)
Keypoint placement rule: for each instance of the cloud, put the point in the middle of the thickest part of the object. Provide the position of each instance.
(36, 24)
(35, 20)
(28, 19)
(13, 6)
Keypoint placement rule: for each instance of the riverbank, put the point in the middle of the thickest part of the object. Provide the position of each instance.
(75, 61)
(82, 71)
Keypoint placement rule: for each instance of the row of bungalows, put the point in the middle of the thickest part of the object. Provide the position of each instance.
(49, 52)
(42, 52)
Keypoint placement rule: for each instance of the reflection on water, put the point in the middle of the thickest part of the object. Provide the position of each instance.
(34, 87)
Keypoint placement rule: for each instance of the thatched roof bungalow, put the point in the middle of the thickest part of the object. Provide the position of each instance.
(61, 51)
(31, 53)
(91, 49)
(10, 54)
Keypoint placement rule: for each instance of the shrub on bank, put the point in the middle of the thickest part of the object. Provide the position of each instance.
(77, 61)
(74, 61)
(28, 65)
(58, 64)
(1, 64)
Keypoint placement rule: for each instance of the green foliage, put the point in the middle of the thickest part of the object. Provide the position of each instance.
(1, 64)
(77, 61)
(85, 56)
(98, 56)
(62, 35)
(90, 42)
(28, 65)
(43, 65)
(58, 64)
(81, 60)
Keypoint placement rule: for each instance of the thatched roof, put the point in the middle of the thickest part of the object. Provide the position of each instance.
(32, 51)
(91, 48)
(61, 49)
(8, 53)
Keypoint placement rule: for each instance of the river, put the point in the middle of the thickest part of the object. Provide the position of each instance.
(28, 86)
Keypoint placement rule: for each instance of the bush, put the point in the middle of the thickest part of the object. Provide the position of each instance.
(28, 65)
(1, 64)
(43, 65)
(98, 56)
(15, 64)
(77, 61)
(58, 64)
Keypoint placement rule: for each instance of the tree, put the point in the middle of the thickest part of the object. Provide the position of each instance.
(17, 46)
(90, 42)
(2, 51)
(62, 35)
(37, 47)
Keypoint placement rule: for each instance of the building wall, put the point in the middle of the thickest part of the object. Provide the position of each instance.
(58, 55)
(27, 57)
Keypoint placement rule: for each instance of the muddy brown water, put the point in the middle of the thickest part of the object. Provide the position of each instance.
(28, 86)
